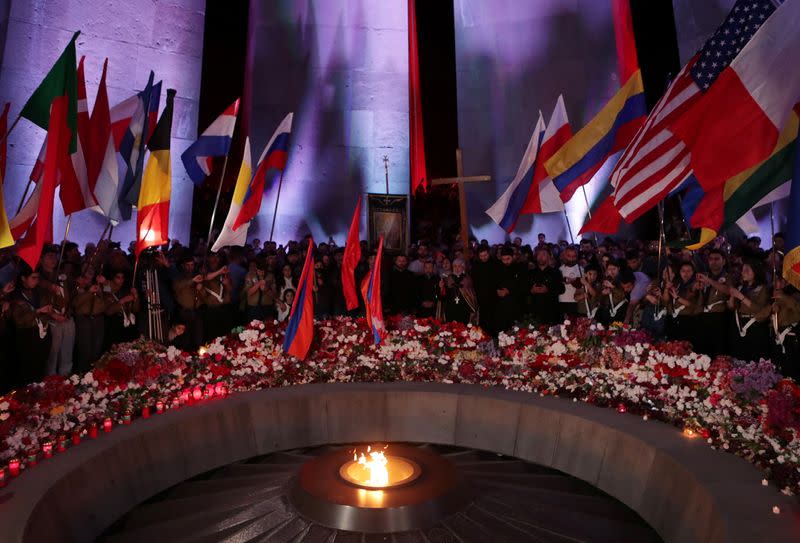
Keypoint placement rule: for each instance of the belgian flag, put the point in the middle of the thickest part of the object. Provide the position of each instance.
(152, 215)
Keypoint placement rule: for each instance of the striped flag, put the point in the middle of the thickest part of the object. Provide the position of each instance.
(505, 211)
(214, 142)
(543, 196)
(300, 330)
(273, 159)
(228, 236)
(352, 255)
(603, 139)
(152, 210)
(371, 291)
(130, 137)
(736, 123)
(657, 162)
(791, 261)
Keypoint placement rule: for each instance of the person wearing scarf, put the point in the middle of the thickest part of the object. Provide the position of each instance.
(31, 316)
(683, 301)
(749, 332)
(122, 306)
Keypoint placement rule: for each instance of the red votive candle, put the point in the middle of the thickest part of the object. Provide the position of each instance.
(76, 437)
(159, 407)
(61, 444)
(13, 467)
(197, 393)
(221, 390)
(185, 396)
(2, 477)
(209, 390)
(107, 425)
(176, 403)
(31, 460)
(621, 408)
(93, 431)
(126, 418)
(146, 412)
(47, 449)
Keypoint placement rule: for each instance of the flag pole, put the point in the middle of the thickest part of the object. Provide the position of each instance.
(214, 211)
(661, 242)
(24, 194)
(97, 247)
(5, 136)
(64, 243)
(589, 211)
(275, 213)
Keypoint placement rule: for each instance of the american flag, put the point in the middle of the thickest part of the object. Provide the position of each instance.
(656, 162)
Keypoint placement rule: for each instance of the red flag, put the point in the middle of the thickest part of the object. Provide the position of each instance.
(371, 290)
(352, 254)
(605, 220)
(75, 193)
(99, 130)
(58, 135)
(416, 148)
(300, 330)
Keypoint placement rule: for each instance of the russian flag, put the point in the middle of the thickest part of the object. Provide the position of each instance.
(215, 141)
(371, 291)
(273, 158)
(300, 330)
(543, 196)
(505, 211)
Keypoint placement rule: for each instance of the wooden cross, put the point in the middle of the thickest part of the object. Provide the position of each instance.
(460, 179)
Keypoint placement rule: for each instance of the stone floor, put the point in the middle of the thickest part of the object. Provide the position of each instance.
(515, 501)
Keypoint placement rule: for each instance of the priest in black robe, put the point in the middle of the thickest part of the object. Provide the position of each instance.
(545, 283)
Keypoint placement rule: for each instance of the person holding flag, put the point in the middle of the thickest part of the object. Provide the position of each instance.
(371, 291)
(300, 330)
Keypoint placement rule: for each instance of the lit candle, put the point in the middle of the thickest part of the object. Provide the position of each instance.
(221, 390)
(13, 467)
(76, 437)
(197, 393)
(688, 432)
(159, 407)
(2, 477)
(62, 444)
(107, 425)
(47, 449)
(176, 403)
(209, 392)
(185, 395)
(146, 412)
(621, 408)
(93, 431)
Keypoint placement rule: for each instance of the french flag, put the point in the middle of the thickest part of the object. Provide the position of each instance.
(273, 159)
(300, 330)
(543, 196)
(215, 141)
(505, 211)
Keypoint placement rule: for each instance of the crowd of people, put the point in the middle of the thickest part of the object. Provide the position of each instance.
(62, 316)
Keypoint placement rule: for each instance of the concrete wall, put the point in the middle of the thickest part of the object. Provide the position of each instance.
(342, 67)
(681, 487)
(137, 36)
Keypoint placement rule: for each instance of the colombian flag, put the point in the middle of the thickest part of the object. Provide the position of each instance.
(371, 290)
(228, 236)
(300, 330)
(152, 215)
(607, 135)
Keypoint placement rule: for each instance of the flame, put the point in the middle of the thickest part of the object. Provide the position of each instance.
(376, 465)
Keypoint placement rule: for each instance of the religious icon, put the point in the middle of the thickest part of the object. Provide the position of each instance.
(388, 218)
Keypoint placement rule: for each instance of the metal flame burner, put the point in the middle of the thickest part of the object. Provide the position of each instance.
(423, 487)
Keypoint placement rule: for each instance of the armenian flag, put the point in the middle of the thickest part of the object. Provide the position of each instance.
(300, 330)
(371, 291)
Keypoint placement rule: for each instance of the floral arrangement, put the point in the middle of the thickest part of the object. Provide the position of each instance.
(744, 408)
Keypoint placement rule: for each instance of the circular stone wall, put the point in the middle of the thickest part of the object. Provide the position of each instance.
(685, 490)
